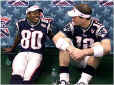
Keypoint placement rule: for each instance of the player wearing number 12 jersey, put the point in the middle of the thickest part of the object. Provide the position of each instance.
(90, 43)
(32, 33)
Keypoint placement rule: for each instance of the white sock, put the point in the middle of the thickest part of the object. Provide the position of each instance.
(64, 76)
(85, 78)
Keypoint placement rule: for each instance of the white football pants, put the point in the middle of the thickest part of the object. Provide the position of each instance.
(25, 64)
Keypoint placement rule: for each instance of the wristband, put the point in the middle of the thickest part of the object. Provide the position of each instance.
(62, 44)
(98, 51)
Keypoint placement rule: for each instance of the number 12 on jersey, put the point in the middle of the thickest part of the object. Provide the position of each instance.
(85, 42)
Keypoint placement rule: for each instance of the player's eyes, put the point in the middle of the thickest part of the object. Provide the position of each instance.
(34, 15)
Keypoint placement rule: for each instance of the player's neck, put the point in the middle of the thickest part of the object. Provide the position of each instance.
(32, 23)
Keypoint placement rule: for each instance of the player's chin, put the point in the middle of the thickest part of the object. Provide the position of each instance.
(36, 19)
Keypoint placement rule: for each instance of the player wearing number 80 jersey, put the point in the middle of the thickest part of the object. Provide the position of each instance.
(32, 33)
(32, 37)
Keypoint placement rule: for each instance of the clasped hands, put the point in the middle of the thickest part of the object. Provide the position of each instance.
(76, 53)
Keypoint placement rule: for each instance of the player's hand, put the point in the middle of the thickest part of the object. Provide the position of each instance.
(75, 53)
(7, 49)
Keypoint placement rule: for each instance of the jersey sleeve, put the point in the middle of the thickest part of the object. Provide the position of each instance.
(18, 24)
(50, 32)
(68, 30)
(17, 28)
(102, 33)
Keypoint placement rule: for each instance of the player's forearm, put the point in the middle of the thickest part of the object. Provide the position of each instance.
(98, 49)
(61, 41)
(106, 45)
(88, 51)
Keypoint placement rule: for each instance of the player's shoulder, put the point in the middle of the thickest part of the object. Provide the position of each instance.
(21, 21)
(97, 24)
(69, 26)
(44, 23)
(100, 28)
(44, 20)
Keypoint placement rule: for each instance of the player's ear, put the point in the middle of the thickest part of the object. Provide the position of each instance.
(41, 14)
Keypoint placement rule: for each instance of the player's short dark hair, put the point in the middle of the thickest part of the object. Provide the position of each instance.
(84, 8)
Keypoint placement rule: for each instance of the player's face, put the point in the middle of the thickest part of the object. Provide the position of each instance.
(34, 16)
(77, 20)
